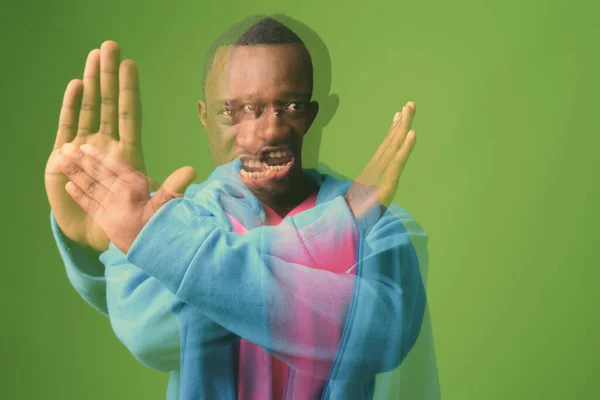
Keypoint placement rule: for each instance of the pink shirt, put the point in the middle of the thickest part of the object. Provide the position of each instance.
(263, 376)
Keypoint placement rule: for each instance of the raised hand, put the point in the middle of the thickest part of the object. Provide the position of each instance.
(377, 184)
(115, 195)
(103, 110)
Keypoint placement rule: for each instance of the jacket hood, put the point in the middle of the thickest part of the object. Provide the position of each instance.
(225, 192)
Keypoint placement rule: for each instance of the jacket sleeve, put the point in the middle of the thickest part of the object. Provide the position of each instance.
(143, 315)
(251, 284)
(140, 308)
(83, 267)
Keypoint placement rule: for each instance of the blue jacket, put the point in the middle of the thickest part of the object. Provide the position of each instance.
(189, 289)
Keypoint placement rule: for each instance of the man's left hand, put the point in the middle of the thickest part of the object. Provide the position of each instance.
(115, 195)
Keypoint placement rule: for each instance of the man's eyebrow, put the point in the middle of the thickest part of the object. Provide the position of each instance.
(231, 100)
(296, 94)
(283, 95)
(220, 102)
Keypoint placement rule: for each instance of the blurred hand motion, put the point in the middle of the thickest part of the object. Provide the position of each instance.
(377, 184)
(103, 110)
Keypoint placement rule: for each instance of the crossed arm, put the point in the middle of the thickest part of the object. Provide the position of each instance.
(379, 308)
(247, 285)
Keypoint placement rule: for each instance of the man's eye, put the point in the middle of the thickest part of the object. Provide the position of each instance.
(225, 112)
(295, 106)
(250, 108)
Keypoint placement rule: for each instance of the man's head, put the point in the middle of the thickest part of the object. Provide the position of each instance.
(258, 105)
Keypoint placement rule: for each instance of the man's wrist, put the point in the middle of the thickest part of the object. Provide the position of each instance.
(365, 213)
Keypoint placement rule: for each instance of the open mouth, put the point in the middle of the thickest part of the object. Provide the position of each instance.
(274, 164)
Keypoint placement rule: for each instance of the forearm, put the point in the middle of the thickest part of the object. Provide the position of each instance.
(147, 318)
(244, 284)
(84, 269)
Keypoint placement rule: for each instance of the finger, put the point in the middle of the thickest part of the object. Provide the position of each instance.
(90, 165)
(386, 141)
(130, 107)
(67, 121)
(109, 88)
(412, 105)
(395, 130)
(87, 204)
(400, 159)
(174, 186)
(403, 129)
(90, 105)
(84, 182)
(120, 169)
(398, 136)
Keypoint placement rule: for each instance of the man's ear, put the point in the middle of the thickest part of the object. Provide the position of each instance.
(201, 108)
(327, 109)
(313, 111)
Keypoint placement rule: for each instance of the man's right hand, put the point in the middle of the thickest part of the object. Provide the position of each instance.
(103, 110)
(377, 184)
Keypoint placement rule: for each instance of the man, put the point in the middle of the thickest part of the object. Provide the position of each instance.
(209, 290)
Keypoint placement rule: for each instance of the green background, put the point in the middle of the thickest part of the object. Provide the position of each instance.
(504, 177)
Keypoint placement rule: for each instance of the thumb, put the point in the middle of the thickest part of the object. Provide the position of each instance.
(174, 186)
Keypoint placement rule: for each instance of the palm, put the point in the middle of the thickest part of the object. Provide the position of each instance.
(378, 182)
(104, 110)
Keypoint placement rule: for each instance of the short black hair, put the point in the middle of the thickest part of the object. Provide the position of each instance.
(268, 31)
(253, 31)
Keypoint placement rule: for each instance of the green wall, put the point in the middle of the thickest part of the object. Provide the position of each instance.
(504, 177)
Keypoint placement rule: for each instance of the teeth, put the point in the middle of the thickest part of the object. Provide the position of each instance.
(262, 174)
(253, 163)
(278, 167)
(257, 174)
(277, 154)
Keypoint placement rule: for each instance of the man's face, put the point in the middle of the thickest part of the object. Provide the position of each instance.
(213, 114)
(261, 112)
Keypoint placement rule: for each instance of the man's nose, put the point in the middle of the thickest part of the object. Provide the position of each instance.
(266, 129)
(271, 127)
